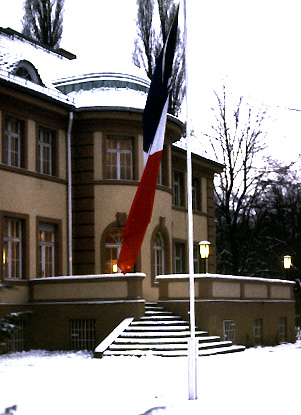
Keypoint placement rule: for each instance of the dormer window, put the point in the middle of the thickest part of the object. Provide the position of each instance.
(23, 73)
(27, 71)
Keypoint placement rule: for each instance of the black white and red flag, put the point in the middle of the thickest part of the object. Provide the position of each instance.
(154, 123)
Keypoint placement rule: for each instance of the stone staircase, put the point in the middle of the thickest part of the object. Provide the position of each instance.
(159, 333)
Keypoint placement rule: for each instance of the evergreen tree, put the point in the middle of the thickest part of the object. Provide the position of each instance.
(148, 44)
(43, 21)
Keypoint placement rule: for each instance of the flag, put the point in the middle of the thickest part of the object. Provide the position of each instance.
(154, 123)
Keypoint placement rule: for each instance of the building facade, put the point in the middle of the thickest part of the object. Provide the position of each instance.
(70, 162)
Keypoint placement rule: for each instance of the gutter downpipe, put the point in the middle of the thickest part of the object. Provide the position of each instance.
(69, 192)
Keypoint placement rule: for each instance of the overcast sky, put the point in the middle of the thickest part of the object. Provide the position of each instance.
(252, 46)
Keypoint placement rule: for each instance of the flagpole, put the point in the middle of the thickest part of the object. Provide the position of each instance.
(192, 343)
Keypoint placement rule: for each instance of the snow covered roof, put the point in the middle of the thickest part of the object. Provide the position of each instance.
(80, 82)
(109, 89)
(15, 47)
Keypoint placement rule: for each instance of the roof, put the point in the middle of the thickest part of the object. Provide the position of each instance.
(214, 165)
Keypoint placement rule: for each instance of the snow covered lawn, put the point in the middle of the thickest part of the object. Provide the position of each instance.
(261, 381)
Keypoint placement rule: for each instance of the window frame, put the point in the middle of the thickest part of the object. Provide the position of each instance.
(229, 330)
(196, 259)
(111, 246)
(182, 258)
(164, 170)
(44, 246)
(196, 194)
(12, 243)
(282, 330)
(257, 332)
(53, 153)
(159, 250)
(55, 224)
(178, 200)
(119, 151)
(6, 142)
(23, 219)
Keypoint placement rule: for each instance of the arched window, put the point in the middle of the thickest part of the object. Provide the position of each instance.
(113, 242)
(23, 73)
(159, 254)
(27, 71)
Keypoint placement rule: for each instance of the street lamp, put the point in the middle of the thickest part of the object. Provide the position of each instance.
(287, 261)
(204, 252)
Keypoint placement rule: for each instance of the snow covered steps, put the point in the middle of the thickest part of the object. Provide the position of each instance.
(159, 333)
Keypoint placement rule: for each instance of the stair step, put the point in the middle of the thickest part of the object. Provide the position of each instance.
(161, 333)
(175, 353)
(161, 317)
(162, 322)
(163, 340)
(167, 346)
(158, 312)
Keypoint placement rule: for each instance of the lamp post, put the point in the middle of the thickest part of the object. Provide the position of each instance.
(287, 261)
(204, 253)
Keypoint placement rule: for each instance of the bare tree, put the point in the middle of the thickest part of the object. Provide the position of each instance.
(237, 142)
(151, 35)
(43, 21)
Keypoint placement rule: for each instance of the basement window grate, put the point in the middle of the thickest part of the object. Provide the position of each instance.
(82, 334)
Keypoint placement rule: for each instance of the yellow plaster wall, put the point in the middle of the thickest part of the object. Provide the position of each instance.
(180, 225)
(226, 289)
(18, 294)
(281, 292)
(255, 291)
(181, 289)
(83, 290)
(35, 197)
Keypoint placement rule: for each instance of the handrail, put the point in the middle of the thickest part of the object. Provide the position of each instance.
(102, 347)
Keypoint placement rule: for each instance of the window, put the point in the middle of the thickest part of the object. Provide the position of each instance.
(196, 259)
(46, 250)
(113, 244)
(282, 330)
(119, 158)
(229, 330)
(23, 73)
(26, 70)
(160, 175)
(12, 248)
(195, 192)
(178, 189)
(45, 151)
(258, 332)
(82, 334)
(159, 254)
(179, 258)
(13, 142)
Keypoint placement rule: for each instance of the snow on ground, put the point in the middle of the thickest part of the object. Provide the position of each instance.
(260, 380)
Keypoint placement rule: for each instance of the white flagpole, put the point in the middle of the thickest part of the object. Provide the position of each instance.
(192, 343)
